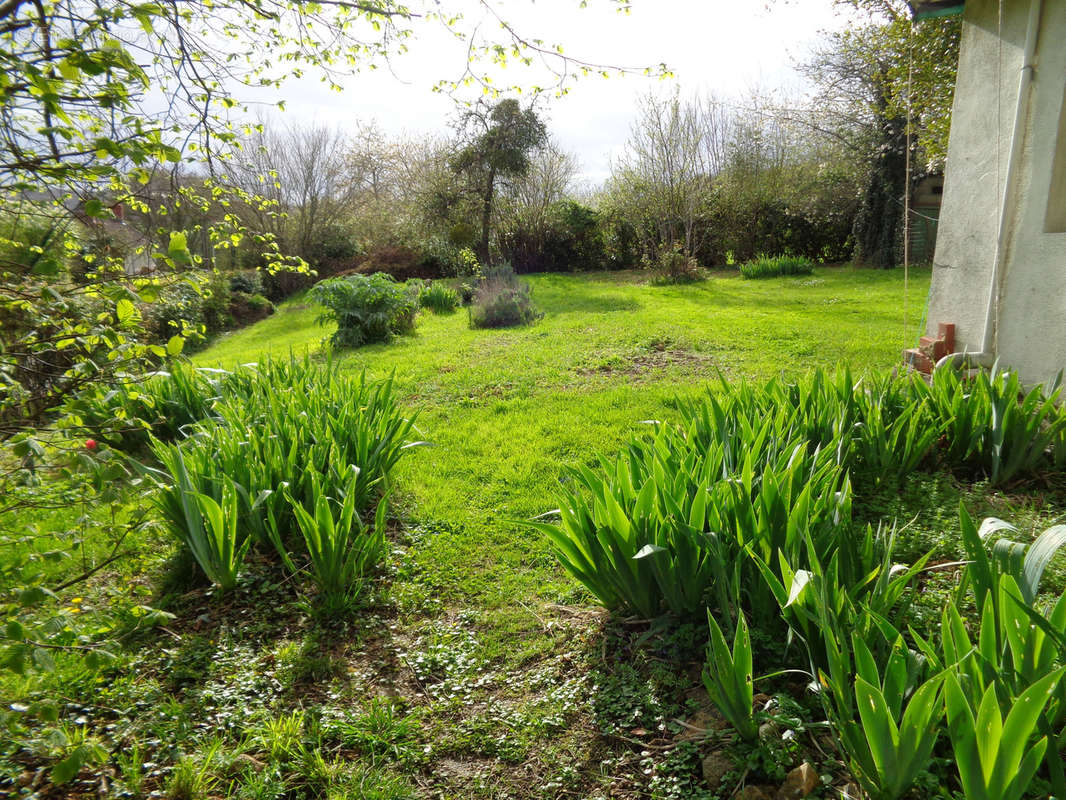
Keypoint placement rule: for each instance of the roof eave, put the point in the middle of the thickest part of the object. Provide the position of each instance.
(931, 9)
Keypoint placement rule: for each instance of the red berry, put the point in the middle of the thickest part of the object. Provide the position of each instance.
(90, 444)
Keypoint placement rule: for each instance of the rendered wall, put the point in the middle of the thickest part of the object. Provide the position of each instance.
(1029, 311)
(1031, 334)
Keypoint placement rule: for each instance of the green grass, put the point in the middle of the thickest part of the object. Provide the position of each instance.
(505, 409)
(481, 670)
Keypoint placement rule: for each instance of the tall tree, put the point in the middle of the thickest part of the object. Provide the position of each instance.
(98, 97)
(675, 148)
(500, 139)
(872, 80)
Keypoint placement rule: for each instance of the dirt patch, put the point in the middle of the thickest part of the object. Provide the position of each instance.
(648, 362)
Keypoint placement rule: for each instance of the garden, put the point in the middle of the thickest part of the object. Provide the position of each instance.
(594, 535)
(340, 461)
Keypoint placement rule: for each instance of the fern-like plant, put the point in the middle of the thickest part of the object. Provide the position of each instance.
(366, 308)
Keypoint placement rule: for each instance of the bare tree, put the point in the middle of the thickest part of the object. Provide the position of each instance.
(304, 173)
(712, 176)
(315, 186)
(667, 164)
(551, 174)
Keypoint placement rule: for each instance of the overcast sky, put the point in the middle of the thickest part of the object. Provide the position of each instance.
(723, 46)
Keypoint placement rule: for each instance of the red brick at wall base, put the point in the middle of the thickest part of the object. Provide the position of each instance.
(931, 348)
(916, 359)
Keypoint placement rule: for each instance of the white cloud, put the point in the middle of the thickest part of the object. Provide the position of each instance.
(720, 46)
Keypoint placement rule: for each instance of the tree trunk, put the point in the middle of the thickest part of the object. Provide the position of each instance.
(878, 223)
(486, 217)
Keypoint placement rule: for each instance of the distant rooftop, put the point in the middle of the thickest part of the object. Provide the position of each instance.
(927, 9)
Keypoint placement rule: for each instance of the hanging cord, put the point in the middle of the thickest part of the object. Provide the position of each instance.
(1001, 190)
(907, 191)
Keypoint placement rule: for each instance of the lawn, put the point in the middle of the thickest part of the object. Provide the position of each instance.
(481, 670)
(505, 409)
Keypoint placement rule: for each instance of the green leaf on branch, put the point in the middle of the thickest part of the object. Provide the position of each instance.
(175, 345)
(67, 769)
(14, 658)
(125, 311)
(98, 658)
(178, 249)
(14, 630)
(44, 660)
(33, 596)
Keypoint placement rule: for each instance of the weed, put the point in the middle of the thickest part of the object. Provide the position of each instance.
(447, 662)
(282, 737)
(764, 266)
(70, 748)
(676, 775)
(439, 298)
(192, 778)
(382, 731)
(372, 783)
(130, 762)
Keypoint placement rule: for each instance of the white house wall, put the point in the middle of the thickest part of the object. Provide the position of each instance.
(1031, 334)
(1030, 308)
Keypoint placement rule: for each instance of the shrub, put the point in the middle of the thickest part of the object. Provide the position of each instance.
(334, 249)
(673, 265)
(620, 241)
(33, 243)
(414, 287)
(248, 308)
(468, 264)
(402, 263)
(468, 289)
(567, 236)
(284, 282)
(179, 311)
(248, 281)
(366, 308)
(462, 235)
(196, 313)
(439, 257)
(439, 299)
(38, 373)
(502, 301)
(763, 266)
(216, 303)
